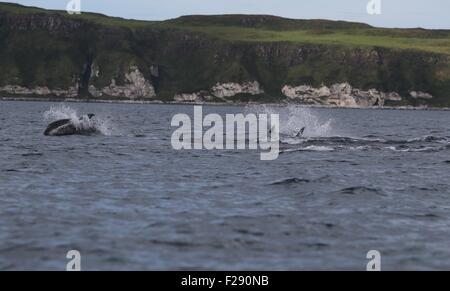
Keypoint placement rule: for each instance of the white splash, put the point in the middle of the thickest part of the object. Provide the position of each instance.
(102, 125)
(296, 118)
(300, 117)
(61, 112)
(318, 148)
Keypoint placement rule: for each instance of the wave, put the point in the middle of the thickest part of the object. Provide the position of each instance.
(361, 190)
(318, 148)
(422, 149)
(429, 138)
(291, 181)
(367, 143)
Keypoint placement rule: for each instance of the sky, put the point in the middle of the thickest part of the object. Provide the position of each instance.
(394, 13)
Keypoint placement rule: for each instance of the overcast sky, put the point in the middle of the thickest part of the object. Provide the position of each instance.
(394, 13)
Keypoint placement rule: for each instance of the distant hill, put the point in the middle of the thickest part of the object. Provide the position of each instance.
(219, 58)
(265, 22)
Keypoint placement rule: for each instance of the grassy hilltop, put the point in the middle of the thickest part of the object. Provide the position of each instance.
(192, 53)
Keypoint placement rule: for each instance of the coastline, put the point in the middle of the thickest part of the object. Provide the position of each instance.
(160, 102)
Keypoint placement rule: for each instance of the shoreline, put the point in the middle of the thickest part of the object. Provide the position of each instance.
(159, 102)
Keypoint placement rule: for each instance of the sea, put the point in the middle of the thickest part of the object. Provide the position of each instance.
(357, 180)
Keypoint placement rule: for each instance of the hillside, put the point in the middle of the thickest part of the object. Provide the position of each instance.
(220, 58)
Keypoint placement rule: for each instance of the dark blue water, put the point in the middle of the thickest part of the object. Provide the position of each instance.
(359, 180)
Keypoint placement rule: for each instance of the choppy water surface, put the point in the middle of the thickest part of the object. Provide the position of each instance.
(359, 180)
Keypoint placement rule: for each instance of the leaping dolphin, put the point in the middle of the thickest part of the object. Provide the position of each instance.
(300, 133)
(67, 127)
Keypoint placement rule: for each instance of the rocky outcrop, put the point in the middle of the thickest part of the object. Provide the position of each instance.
(154, 71)
(135, 86)
(95, 71)
(393, 96)
(420, 95)
(193, 97)
(39, 91)
(223, 90)
(342, 95)
(305, 92)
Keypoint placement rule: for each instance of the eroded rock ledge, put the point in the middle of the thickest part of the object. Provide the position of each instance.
(341, 95)
(221, 91)
(420, 95)
(136, 86)
(232, 89)
(40, 91)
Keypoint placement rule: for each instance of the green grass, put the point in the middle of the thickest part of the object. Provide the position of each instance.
(248, 28)
(353, 38)
(434, 41)
(92, 17)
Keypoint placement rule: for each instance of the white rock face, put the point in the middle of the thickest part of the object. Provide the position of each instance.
(232, 89)
(95, 71)
(393, 96)
(193, 97)
(221, 91)
(305, 92)
(40, 91)
(342, 95)
(136, 86)
(420, 95)
(154, 70)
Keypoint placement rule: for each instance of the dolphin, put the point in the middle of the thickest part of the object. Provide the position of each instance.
(67, 127)
(300, 132)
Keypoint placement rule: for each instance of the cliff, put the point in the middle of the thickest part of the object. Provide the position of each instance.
(220, 59)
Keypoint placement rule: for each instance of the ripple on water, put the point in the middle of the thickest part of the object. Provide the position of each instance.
(361, 190)
(291, 181)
